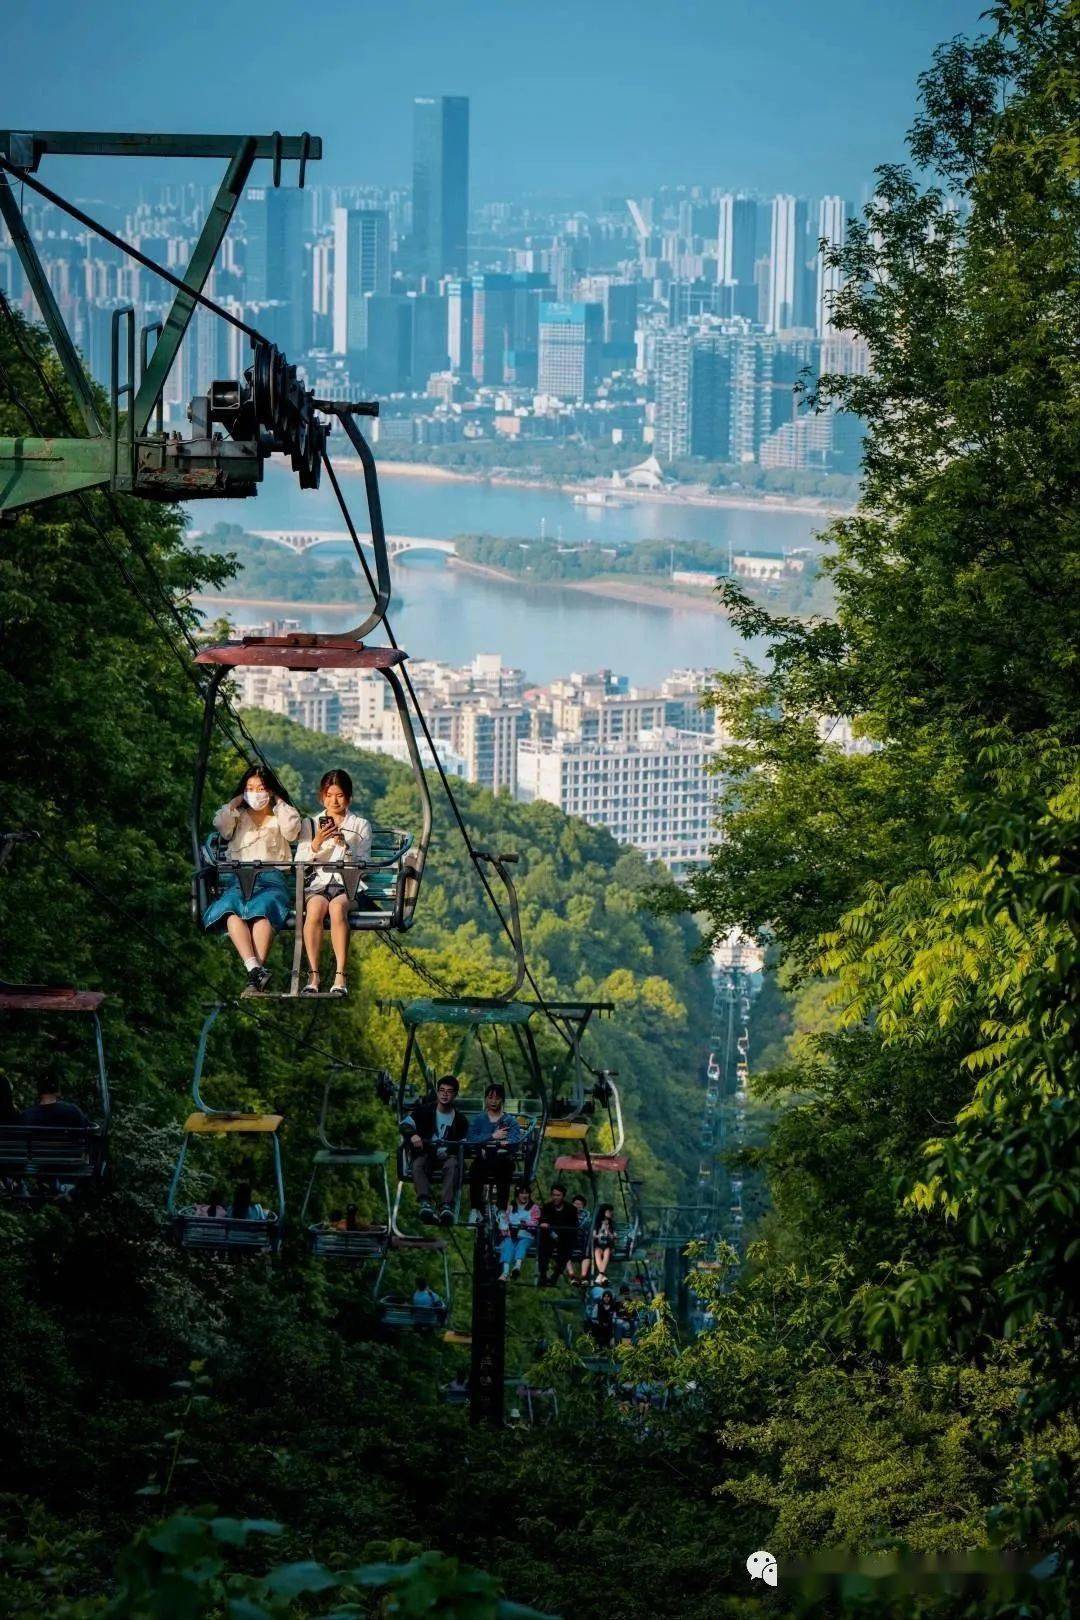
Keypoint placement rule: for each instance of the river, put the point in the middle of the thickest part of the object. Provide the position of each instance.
(447, 613)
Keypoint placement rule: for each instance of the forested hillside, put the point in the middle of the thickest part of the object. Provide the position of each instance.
(99, 1317)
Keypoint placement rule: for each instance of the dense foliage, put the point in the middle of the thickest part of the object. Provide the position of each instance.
(925, 1171)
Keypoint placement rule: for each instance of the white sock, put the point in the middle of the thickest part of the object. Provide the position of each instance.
(251, 962)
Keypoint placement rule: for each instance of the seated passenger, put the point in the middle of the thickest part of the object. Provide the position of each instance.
(582, 1246)
(332, 838)
(495, 1134)
(243, 1207)
(518, 1226)
(214, 1209)
(428, 1130)
(603, 1241)
(425, 1298)
(558, 1226)
(261, 825)
(602, 1325)
(51, 1109)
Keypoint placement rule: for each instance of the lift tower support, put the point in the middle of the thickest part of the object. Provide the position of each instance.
(135, 455)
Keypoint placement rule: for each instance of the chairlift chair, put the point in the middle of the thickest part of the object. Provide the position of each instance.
(361, 1243)
(472, 1019)
(33, 1156)
(230, 1234)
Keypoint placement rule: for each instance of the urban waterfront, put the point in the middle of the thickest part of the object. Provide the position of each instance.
(439, 508)
(448, 613)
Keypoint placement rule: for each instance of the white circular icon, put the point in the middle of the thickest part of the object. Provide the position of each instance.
(762, 1566)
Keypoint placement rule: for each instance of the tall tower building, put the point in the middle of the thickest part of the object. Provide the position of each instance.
(361, 266)
(440, 185)
(832, 225)
(737, 251)
(789, 297)
(277, 265)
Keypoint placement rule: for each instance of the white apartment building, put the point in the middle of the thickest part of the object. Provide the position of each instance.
(653, 792)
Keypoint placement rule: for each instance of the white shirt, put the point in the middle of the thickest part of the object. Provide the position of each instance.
(270, 840)
(357, 847)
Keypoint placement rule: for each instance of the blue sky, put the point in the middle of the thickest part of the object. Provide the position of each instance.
(568, 97)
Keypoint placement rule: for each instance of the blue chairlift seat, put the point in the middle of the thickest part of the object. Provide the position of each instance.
(226, 1233)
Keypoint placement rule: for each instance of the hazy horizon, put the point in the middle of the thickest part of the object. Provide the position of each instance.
(615, 97)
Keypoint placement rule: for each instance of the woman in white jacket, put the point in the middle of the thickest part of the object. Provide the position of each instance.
(260, 825)
(334, 837)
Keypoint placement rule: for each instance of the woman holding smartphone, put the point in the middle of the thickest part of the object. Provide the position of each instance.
(334, 837)
(260, 825)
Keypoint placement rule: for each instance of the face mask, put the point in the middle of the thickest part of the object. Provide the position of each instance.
(257, 800)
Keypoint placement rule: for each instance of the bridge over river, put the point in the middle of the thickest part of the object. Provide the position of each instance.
(395, 543)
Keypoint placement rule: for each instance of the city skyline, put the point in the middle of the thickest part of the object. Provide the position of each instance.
(710, 98)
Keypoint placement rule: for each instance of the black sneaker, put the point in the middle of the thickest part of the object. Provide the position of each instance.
(259, 978)
(427, 1212)
(446, 1215)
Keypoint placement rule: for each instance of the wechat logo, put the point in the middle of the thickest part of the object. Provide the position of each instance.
(762, 1567)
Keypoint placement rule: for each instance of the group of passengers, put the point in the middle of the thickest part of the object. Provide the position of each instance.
(440, 1138)
(260, 824)
(611, 1320)
(438, 1133)
(241, 1207)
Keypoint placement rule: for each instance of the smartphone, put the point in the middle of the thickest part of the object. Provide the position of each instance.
(326, 821)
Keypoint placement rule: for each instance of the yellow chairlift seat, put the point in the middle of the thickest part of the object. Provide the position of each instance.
(199, 1124)
(452, 1336)
(566, 1130)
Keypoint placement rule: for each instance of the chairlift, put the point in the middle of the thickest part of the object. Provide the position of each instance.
(193, 1227)
(340, 1241)
(40, 1162)
(43, 1162)
(393, 872)
(472, 1021)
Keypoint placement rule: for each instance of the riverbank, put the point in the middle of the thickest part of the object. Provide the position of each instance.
(640, 592)
(292, 606)
(681, 495)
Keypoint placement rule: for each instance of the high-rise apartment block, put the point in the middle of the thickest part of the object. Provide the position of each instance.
(440, 185)
(792, 280)
(832, 226)
(673, 358)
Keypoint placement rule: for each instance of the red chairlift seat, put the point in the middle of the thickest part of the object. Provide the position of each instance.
(616, 1163)
(49, 998)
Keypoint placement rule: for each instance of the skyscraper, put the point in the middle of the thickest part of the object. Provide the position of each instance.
(736, 253)
(571, 345)
(440, 185)
(277, 265)
(832, 225)
(361, 266)
(789, 286)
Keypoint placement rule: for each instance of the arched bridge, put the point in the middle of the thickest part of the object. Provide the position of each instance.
(395, 543)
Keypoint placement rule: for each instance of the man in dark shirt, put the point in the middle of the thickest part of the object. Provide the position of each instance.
(430, 1132)
(558, 1228)
(51, 1109)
